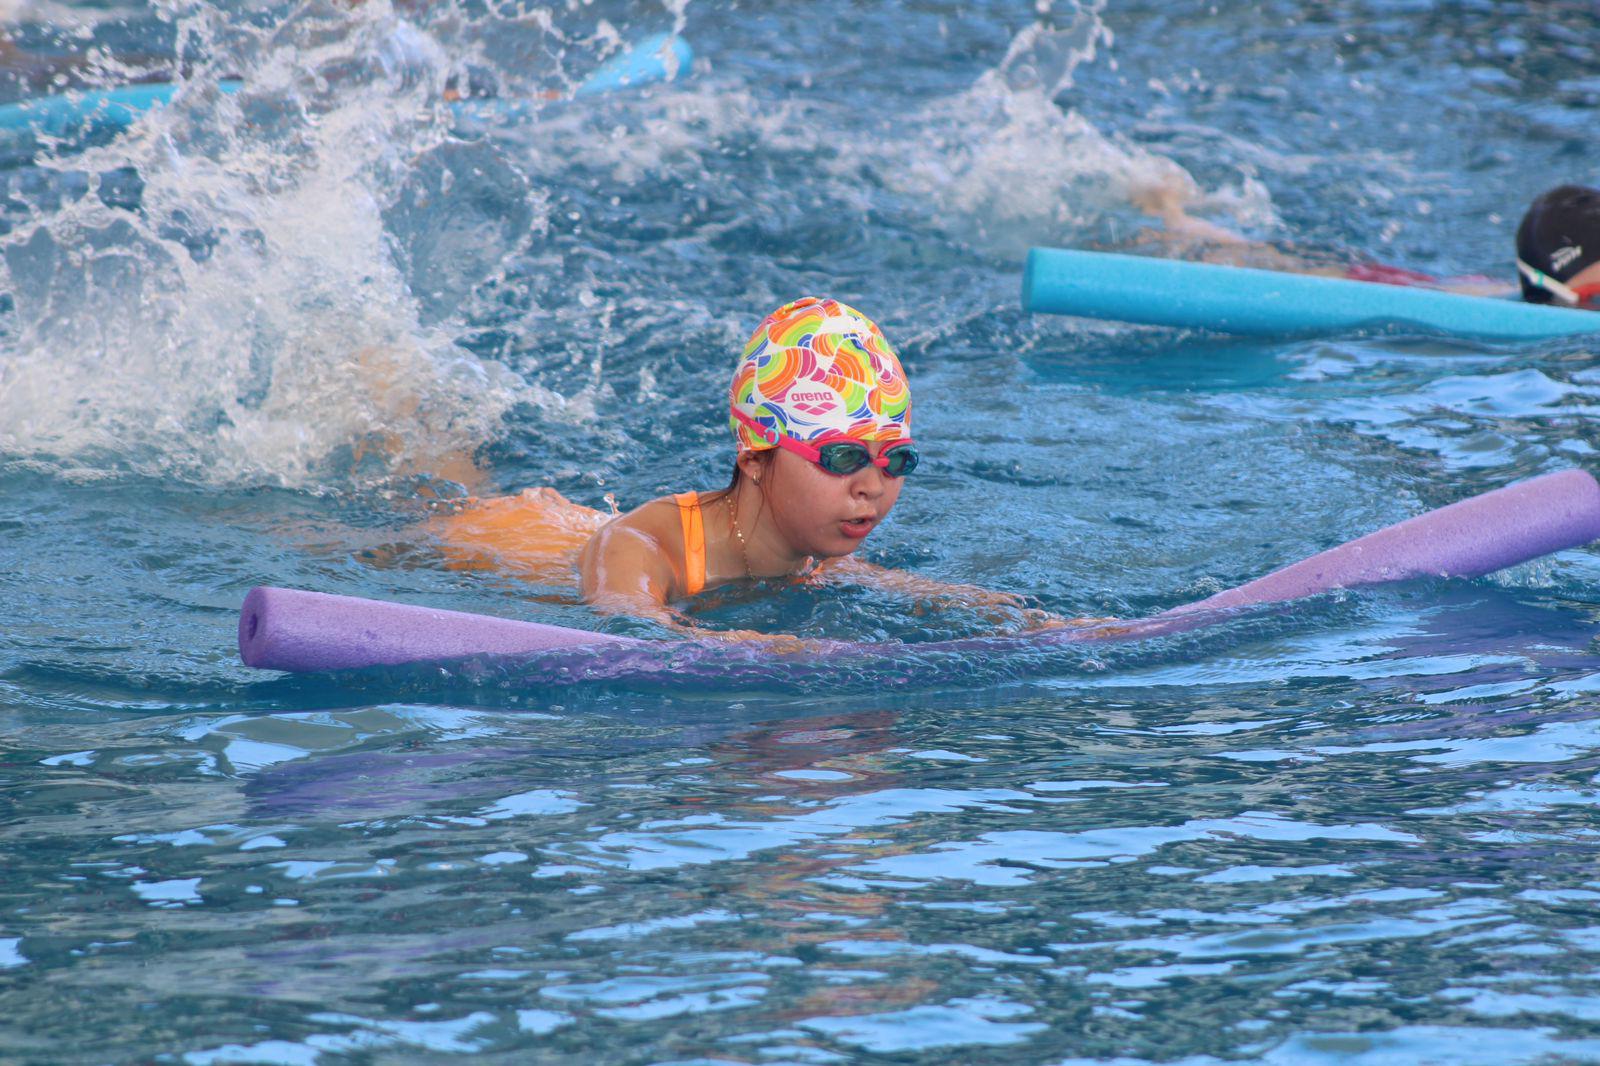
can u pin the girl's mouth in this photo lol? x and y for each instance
(857, 527)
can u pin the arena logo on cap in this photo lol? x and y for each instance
(1562, 256)
(813, 403)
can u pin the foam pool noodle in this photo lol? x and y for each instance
(1227, 299)
(286, 629)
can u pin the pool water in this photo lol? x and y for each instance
(1356, 829)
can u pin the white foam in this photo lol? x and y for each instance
(1003, 165)
(250, 323)
(1023, 169)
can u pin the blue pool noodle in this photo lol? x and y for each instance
(91, 110)
(661, 57)
(1173, 292)
(286, 629)
(658, 58)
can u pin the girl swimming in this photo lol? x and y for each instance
(820, 411)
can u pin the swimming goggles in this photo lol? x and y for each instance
(840, 457)
(1582, 296)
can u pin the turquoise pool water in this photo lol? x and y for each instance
(1361, 829)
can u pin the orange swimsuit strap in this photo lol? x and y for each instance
(694, 542)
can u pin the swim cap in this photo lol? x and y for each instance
(1559, 236)
(818, 369)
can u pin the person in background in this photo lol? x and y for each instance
(1558, 248)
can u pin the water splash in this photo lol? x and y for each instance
(1044, 55)
(243, 293)
(1021, 168)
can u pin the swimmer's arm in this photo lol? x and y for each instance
(1007, 609)
(1188, 237)
(915, 586)
(1477, 286)
(624, 571)
(1166, 200)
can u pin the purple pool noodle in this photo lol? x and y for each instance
(1468, 539)
(283, 629)
(286, 629)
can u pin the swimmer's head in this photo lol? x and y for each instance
(821, 413)
(817, 370)
(1559, 239)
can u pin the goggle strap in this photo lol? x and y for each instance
(776, 439)
(1540, 280)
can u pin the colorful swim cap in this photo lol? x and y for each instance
(819, 369)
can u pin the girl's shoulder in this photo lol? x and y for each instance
(655, 527)
(645, 552)
(653, 516)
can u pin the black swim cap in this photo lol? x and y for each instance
(1559, 236)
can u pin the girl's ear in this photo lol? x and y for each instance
(753, 464)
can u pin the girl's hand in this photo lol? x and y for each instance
(781, 643)
(1035, 620)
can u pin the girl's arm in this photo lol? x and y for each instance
(624, 570)
(1007, 609)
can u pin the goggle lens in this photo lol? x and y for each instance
(902, 460)
(846, 457)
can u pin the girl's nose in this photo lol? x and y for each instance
(869, 482)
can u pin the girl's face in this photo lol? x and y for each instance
(825, 514)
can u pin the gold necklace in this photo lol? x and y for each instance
(733, 520)
(744, 549)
